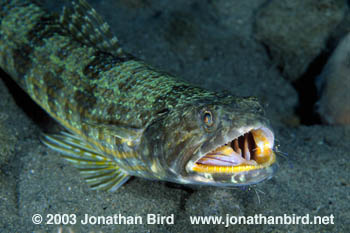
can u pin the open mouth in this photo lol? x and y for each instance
(250, 151)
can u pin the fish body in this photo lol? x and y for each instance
(124, 118)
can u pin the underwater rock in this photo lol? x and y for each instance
(236, 16)
(295, 32)
(334, 84)
(339, 32)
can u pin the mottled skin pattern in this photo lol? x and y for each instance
(94, 94)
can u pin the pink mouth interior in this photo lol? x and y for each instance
(241, 150)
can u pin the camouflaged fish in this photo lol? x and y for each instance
(123, 117)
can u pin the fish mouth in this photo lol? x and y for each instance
(250, 150)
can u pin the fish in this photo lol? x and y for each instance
(121, 116)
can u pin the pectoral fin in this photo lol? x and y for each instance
(98, 170)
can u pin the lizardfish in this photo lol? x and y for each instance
(123, 117)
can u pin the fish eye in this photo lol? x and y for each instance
(208, 118)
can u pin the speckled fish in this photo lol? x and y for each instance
(123, 117)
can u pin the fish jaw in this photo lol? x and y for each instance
(245, 157)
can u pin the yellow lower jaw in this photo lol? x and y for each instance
(202, 168)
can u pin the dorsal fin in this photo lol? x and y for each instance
(88, 27)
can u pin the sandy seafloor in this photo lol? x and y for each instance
(211, 44)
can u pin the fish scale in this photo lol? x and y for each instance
(146, 122)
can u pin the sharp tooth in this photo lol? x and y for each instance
(246, 149)
(236, 146)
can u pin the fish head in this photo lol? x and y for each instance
(220, 142)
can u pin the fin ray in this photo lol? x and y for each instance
(112, 184)
(88, 27)
(65, 147)
(98, 170)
